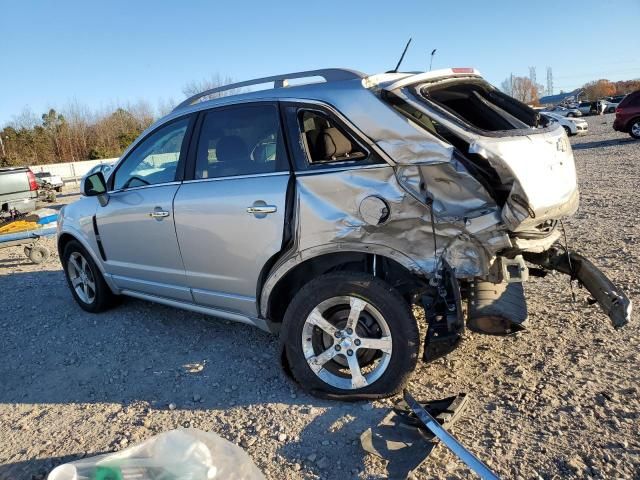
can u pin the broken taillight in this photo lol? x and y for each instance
(33, 185)
(462, 70)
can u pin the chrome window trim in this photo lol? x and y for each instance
(234, 177)
(341, 168)
(141, 187)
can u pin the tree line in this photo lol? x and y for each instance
(77, 133)
(523, 89)
(73, 134)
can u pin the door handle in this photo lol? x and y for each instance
(159, 214)
(262, 209)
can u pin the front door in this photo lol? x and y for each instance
(137, 227)
(230, 214)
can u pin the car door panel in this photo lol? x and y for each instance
(136, 225)
(142, 251)
(224, 247)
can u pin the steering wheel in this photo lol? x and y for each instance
(141, 180)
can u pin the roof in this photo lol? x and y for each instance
(555, 99)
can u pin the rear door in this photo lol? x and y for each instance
(230, 212)
(136, 227)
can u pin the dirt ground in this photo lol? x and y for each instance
(560, 400)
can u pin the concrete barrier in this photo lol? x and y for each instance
(70, 171)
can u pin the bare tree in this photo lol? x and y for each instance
(214, 81)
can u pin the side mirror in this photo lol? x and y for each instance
(95, 186)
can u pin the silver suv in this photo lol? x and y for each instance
(324, 211)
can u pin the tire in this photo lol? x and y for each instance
(571, 115)
(75, 259)
(328, 300)
(37, 253)
(568, 130)
(634, 128)
(58, 189)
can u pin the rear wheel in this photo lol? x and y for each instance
(634, 129)
(351, 336)
(85, 280)
(571, 114)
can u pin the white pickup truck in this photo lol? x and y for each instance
(18, 190)
(54, 180)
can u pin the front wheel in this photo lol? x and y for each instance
(85, 281)
(350, 335)
(568, 130)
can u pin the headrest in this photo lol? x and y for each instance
(328, 144)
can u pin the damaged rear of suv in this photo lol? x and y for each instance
(323, 212)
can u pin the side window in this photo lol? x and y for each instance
(240, 140)
(325, 141)
(155, 159)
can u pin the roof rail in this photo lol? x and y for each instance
(279, 81)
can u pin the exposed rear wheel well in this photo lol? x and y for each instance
(387, 269)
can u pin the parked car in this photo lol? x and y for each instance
(613, 102)
(105, 168)
(587, 108)
(564, 111)
(55, 181)
(573, 126)
(18, 191)
(628, 115)
(323, 211)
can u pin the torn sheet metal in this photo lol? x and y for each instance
(611, 298)
(402, 441)
(473, 462)
(538, 167)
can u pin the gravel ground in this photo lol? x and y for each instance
(557, 401)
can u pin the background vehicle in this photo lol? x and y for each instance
(55, 181)
(573, 126)
(565, 112)
(587, 108)
(613, 102)
(628, 115)
(323, 211)
(18, 190)
(105, 168)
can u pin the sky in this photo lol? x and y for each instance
(99, 54)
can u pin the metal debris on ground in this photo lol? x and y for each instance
(434, 426)
(403, 440)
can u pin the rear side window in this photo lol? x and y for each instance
(325, 141)
(240, 140)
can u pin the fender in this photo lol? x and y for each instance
(295, 258)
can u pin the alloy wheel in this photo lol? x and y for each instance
(347, 342)
(81, 277)
(635, 129)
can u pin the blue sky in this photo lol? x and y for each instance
(102, 53)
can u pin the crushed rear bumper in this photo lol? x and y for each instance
(611, 298)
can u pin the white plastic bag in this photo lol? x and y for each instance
(183, 454)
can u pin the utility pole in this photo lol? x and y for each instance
(433, 52)
(532, 75)
(549, 81)
(511, 82)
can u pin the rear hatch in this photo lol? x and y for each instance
(525, 162)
